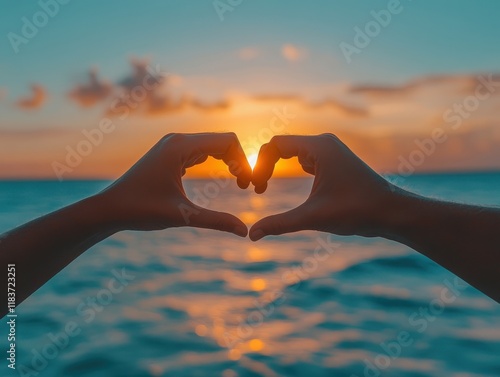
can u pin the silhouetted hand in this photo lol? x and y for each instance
(147, 197)
(150, 195)
(349, 198)
(347, 195)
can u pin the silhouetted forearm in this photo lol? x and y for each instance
(43, 247)
(462, 238)
(149, 196)
(350, 198)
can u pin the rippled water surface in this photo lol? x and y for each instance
(202, 303)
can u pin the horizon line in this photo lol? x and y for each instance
(302, 176)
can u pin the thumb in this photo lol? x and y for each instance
(204, 218)
(286, 222)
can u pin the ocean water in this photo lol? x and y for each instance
(202, 303)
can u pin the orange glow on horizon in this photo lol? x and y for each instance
(254, 120)
(215, 168)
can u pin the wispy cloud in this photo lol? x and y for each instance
(461, 83)
(381, 123)
(329, 103)
(94, 91)
(324, 104)
(35, 100)
(23, 134)
(293, 52)
(145, 91)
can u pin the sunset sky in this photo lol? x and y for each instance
(257, 68)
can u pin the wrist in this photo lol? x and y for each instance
(399, 214)
(101, 214)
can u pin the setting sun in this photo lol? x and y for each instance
(252, 160)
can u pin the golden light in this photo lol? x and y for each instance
(258, 284)
(258, 202)
(252, 160)
(256, 345)
(248, 217)
(255, 254)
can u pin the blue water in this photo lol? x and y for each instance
(191, 305)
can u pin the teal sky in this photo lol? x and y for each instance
(188, 37)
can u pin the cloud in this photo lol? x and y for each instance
(278, 97)
(475, 149)
(215, 106)
(145, 91)
(293, 53)
(383, 124)
(327, 103)
(23, 134)
(248, 53)
(141, 71)
(94, 91)
(35, 100)
(342, 107)
(156, 96)
(460, 83)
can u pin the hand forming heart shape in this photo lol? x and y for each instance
(346, 198)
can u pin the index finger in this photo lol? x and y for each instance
(225, 146)
(282, 146)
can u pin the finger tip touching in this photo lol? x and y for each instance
(256, 234)
(243, 183)
(240, 230)
(260, 188)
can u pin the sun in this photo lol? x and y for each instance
(252, 160)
